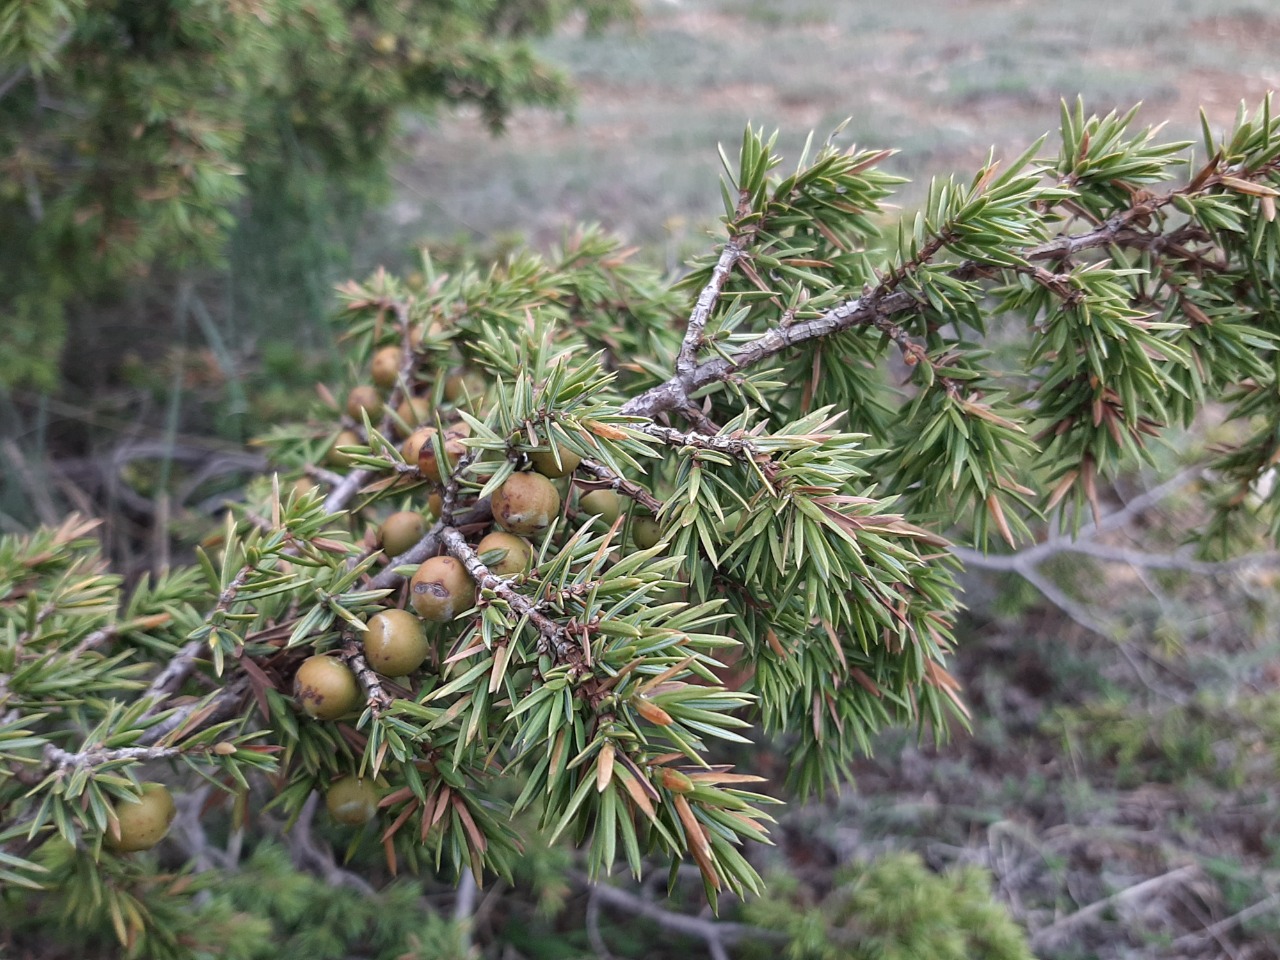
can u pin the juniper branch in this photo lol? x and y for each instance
(552, 639)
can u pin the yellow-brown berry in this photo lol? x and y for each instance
(400, 531)
(464, 389)
(385, 366)
(364, 399)
(414, 411)
(395, 643)
(545, 462)
(526, 504)
(347, 438)
(511, 554)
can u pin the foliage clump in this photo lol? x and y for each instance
(134, 136)
(891, 908)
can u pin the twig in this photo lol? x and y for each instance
(168, 680)
(874, 307)
(308, 853)
(223, 705)
(1045, 936)
(24, 71)
(737, 444)
(628, 488)
(687, 361)
(464, 908)
(592, 919)
(552, 637)
(377, 696)
(62, 760)
(718, 932)
(1190, 940)
(428, 546)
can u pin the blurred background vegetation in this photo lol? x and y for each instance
(1117, 797)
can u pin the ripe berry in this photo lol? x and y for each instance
(414, 411)
(526, 504)
(430, 467)
(366, 399)
(326, 688)
(441, 589)
(143, 824)
(415, 443)
(351, 801)
(400, 531)
(604, 503)
(394, 643)
(385, 366)
(544, 461)
(514, 554)
(464, 389)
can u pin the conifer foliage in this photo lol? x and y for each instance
(736, 494)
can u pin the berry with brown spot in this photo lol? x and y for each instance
(428, 464)
(441, 589)
(526, 504)
(414, 444)
(326, 688)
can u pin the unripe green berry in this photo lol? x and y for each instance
(145, 823)
(544, 461)
(645, 532)
(603, 503)
(351, 801)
